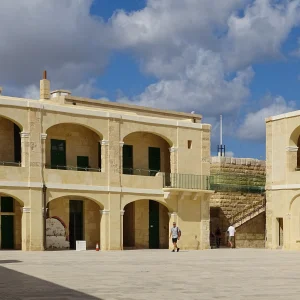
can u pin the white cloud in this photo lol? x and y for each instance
(260, 32)
(201, 86)
(60, 36)
(229, 154)
(254, 128)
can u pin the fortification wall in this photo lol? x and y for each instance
(243, 174)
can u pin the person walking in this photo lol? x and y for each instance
(218, 236)
(175, 233)
(231, 234)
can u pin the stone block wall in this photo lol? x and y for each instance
(225, 204)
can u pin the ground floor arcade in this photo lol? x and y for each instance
(114, 221)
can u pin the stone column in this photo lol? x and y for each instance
(292, 158)
(173, 218)
(173, 159)
(204, 222)
(121, 157)
(43, 144)
(104, 156)
(25, 228)
(122, 228)
(25, 148)
(104, 230)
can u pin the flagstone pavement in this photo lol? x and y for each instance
(150, 274)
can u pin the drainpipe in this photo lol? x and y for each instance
(45, 214)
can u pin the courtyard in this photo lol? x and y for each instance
(150, 274)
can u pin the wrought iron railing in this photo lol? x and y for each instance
(186, 181)
(10, 164)
(72, 168)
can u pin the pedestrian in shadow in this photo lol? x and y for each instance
(218, 236)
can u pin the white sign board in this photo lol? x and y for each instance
(80, 245)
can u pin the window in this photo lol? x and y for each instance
(189, 144)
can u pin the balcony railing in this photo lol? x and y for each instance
(186, 181)
(72, 168)
(10, 164)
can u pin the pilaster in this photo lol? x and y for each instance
(104, 229)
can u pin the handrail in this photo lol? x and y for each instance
(247, 212)
(72, 168)
(10, 164)
(140, 172)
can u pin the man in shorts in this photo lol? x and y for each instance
(231, 233)
(175, 234)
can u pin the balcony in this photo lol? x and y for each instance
(186, 181)
(10, 164)
(72, 168)
(12, 171)
(75, 175)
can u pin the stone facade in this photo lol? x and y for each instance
(97, 130)
(226, 204)
(282, 182)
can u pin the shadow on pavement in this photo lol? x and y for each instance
(19, 286)
(9, 261)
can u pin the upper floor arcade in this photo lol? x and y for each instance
(63, 139)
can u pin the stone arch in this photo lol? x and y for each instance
(10, 131)
(79, 216)
(73, 145)
(294, 142)
(5, 194)
(11, 221)
(294, 212)
(146, 153)
(21, 127)
(146, 225)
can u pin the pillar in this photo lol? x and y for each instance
(43, 144)
(25, 228)
(104, 156)
(121, 157)
(122, 228)
(292, 158)
(104, 229)
(173, 160)
(25, 148)
(204, 222)
(173, 218)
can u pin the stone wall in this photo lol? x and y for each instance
(225, 204)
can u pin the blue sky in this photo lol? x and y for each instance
(238, 58)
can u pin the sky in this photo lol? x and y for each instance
(238, 58)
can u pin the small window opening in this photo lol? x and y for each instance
(189, 144)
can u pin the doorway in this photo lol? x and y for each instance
(7, 223)
(153, 224)
(280, 232)
(75, 222)
(154, 160)
(58, 154)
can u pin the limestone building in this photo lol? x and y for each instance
(118, 175)
(239, 199)
(283, 177)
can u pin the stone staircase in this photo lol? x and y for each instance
(247, 214)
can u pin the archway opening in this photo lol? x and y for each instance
(145, 225)
(11, 223)
(71, 219)
(73, 147)
(10, 154)
(145, 154)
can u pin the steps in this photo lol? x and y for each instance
(247, 214)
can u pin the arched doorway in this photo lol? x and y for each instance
(70, 219)
(145, 153)
(73, 146)
(10, 155)
(11, 223)
(145, 225)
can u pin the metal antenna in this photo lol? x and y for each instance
(221, 148)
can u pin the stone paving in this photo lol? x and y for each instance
(150, 274)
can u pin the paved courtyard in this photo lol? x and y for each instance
(146, 274)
